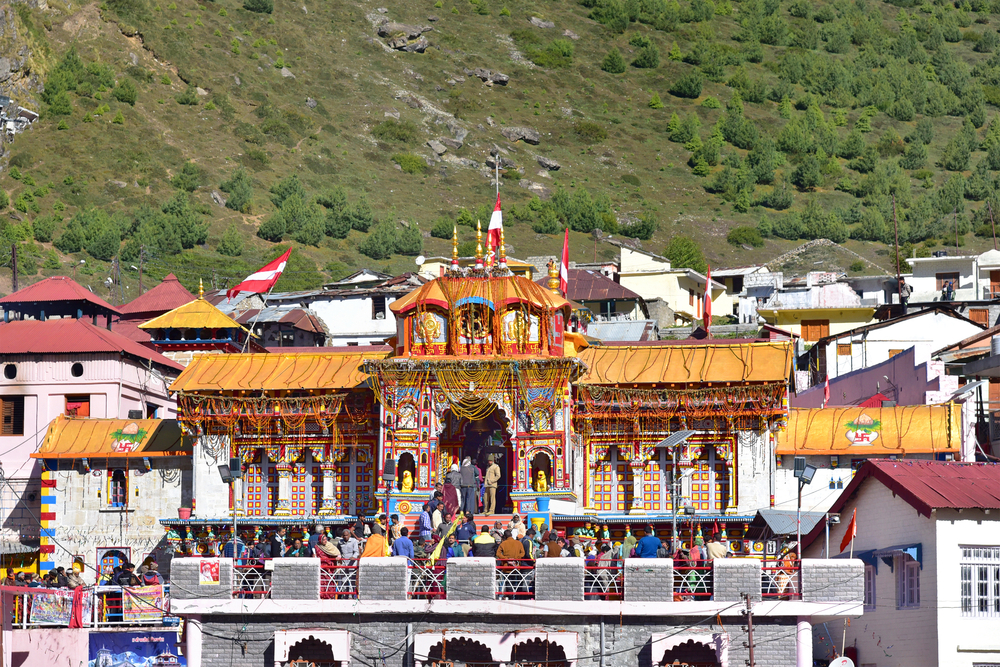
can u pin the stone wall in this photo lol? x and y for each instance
(472, 579)
(833, 580)
(185, 579)
(559, 579)
(295, 579)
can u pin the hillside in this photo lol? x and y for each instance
(791, 120)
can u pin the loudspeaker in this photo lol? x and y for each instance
(235, 468)
(389, 470)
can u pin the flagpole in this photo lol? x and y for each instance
(843, 641)
(246, 343)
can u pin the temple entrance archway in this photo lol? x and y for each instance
(539, 653)
(691, 650)
(479, 440)
(460, 652)
(312, 651)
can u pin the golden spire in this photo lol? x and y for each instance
(553, 283)
(201, 289)
(502, 252)
(454, 247)
(489, 250)
(479, 245)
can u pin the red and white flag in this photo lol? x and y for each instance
(564, 267)
(494, 231)
(707, 320)
(826, 391)
(262, 280)
(852, 531)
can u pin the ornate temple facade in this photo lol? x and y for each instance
(482, 367)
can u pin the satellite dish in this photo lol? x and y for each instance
(842, 662)
(420, 260)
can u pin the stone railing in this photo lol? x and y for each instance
(550, 579)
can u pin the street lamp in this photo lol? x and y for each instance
(229, 474)
(805, 473)
(673, 441)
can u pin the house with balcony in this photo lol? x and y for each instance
(969, 283)
(814, 307)
(928, 533)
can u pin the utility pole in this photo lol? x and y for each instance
(895, 226)
(749, 612)
(142, 256)
(13, 266)
(992, 224)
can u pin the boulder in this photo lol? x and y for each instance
(4, 69)
(539, 23)
(394, 29)
(201, 91)
(488, 76)
(549, 163)
(520, 132)
(133, 58)
(437, 146)
(402, 43)
(505, 163)
(572, 35)
(311, 103)
(459, 161)
(535, 188)
(453, 144)
(287, 73)
(218, 199)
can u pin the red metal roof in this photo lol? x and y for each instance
(130, 329)
(71, 336)
(163, 298)
(56, 288)
(587, 285)
(874, 401)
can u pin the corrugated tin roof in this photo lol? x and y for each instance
(72, 438)
(782, 522)
(57, 288)
(857, 431)
(198, 314)
(623, 330)
(68, 336)
(707, 362)
(274, 371)
(300, 318)
(587, 285)
(166, 296)
(926, 486)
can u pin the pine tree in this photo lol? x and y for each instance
(613, 62)
(675, 53)
(231, 244)
(654, 102)
(785, 107)
(674, 123)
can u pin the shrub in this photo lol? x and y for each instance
(711, 103)
(688, 86)
(272, 229)
(4, 200)
(119, 119)
(632, 180)
(589, 132)
(231, 244)
(44, 227)
(126, 92)
(613, 63)
(409, 240)
(63, 125)
(647, 58)
(190, 177)
(259, 6)
(404, 132)
(410, 163)
(189, 97)
(655, 102)
(745, 235)
(380, 243)
(442, 229)
(857, 266)
(240, 191)
(60, 104)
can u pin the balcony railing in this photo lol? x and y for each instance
(603, 580)
(692, 583)
(103, 606)
(252, 578)
(338, 580)
(516, 580)
(782, 582)
(426, 580)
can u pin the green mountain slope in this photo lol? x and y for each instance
(784, 121)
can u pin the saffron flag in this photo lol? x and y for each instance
(826, 391)
(494, 231)
(852, 531)
(263, 280)
(707, 321)
(564, 267)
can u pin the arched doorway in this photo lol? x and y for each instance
(460, 652)
(690, 654)
(539, 653)
(313, 652)
(480, 440)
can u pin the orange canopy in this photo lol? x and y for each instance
(274, 371)
(907, 429)
(687, 364)
(77, 438)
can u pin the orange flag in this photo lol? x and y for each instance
(852, 531)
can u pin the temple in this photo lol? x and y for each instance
(482, 366)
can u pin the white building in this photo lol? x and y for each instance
(924, 330)
(973, 277)
(749, 286)
(929, 534)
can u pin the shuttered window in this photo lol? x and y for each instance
(12, 415)
(813, 330)
(980, 316)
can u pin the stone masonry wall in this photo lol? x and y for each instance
(649, 579)
(185, 579)
(383, 579)
(472, 579)
(295, 579)
(559, 579)
(833, 580)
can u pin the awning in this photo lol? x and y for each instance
(274, 372)
(914, 551)
(687, 364)
(872, 432)
(72, 438)
(8, 548)
(783, 522)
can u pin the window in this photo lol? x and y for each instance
(352, 343)
(12, 415)
(151, 410)
(980, 568)
(907, 582)
(78, 406)
(690, 298)
(10, 371)
(980, 316)
(869, 587)
(76, 370)
(843, 349)
(942, 279)
(378, 307)
(813, 330)
(118, 488)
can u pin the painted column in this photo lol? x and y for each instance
(638, 487)
(328, 500)
(47, 533)
(238, 507)
(284, 507)
(803, 642)
(192, 641)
